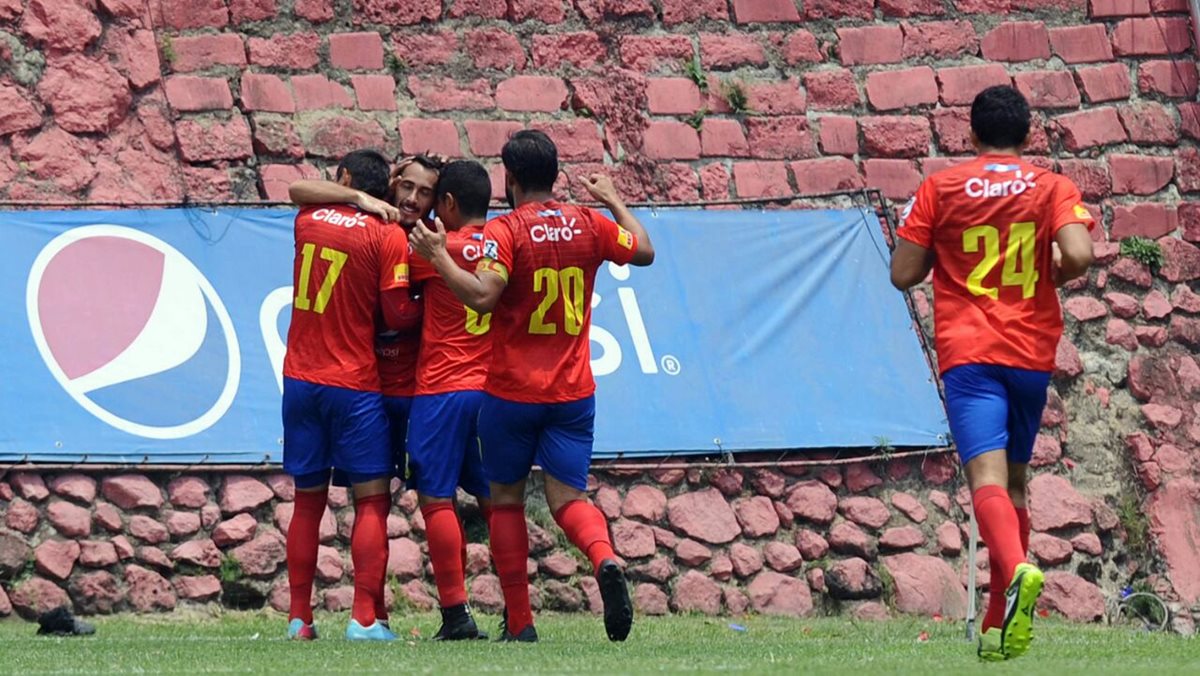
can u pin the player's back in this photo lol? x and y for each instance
(993, 223)
(336, 280)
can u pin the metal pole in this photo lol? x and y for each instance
(972, 596)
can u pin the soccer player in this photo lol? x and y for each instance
(456, 348)
(999, 234)
(348, 267)
(537, 273)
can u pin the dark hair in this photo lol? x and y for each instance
(1000, 117)
(369, 172)
(532, 159)
(430, 162)
(468, 181)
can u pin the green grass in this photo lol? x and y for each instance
(252, 642)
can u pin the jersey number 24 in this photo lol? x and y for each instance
(1020, 266)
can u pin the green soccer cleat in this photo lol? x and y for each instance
(1019, 601)
(990, 646)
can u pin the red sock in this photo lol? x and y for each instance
(443, 532)
(303, 537)
(995, 608)
(369, 551)
(510, 552)
(999, 529)
(587, 528)
(1023, 524)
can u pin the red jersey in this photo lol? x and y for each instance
(549, 253)
(397, 354)
(990, 223)
(456, 346)
(344, 259)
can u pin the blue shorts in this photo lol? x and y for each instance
(443, 446)
(328, 427)
(558, 437)
(995, 407)
(397, 410)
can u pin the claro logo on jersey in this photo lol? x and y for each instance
(133, 331)
(548, 232)
(980, 188)
(334, 217)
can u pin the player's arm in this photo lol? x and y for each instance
(1072, 252)
(478, 291)
(602, 189)
(911, 263)
(309, 192)
(914, 258)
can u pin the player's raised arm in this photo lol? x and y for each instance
(309, 192)
(479, 291)
(602, 189)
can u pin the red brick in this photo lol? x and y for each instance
(374, 92)
(832, 89)
(800, 46)
(1146, 219)
(896, 89)
(1048, 88)
(673, 96)
(826, 175)
(1152, 37)
(486, 137)
(437, 94)
(653, 53)
(1173, 79)
(597, 10)
(761, 179)
(316, 92)
(206, 51)
(1106, 83)
(684, 11)
(939, 39)
(870, 45)
(1081, 44)
(266, 93)
(356, 51)
(582, 49)
(244, 11)
(670, 140)
(896, 136)
(487, 9)
(495, 48)
(299, 51)
(546, 11)
(953, 129)
(1038, 142)
(1115, 8)
(315, 11)
(1149, 123)
(276, 178)
(532, 93)
(723, 138)
(714, 181)
(839, 135)
(780, 138)
(1017, 41)
(425, 48)
(429, 136)
(836, 9)
(994, 7)
(190, 94)
(393, 13)
(1140, 174)
(723, 52)
(578, 140)
(276, 136)
(1187, 169)
(897, 179)
(932, 165)
(1090, 176)
(1189, 219)
(185, 14)
(1091, 128)
(1189, 117)
(777, 98)
(765, 11)
(910, 8)
(1169, 6)
(961, 85)
(214, 140)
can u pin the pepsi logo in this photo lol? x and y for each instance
(133, 331)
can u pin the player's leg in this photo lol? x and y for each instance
(565, 453)
(397, 410)
(306, 457)
(508, 437)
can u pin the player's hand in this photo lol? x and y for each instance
(428, 243)
(602, 189)
(1055, 263)
(374, 205)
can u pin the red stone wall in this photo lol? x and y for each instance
(231, 99)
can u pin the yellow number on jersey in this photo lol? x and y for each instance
(1020, 260)
(550, 281)
(337, 261)
(478, 324)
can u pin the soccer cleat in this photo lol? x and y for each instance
(298, 630)
(614, 591)
(458, 625)
(375, 632)
(1019, 601)
(527, 635)
(989, 646)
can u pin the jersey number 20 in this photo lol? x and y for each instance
(569, 283)
(1020, 267)
(337, 261)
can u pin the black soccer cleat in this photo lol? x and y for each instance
(614, 591)
(60, 622)
(458, 625)
(527, 635)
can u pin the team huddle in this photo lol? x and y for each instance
(454, 353)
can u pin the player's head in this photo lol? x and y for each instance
(1000, 119)
(530, 164)
(415, 188)
(463, 193)
(365, 170)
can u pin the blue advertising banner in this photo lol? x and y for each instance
(158, 336)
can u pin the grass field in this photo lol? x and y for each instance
(252, 643)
